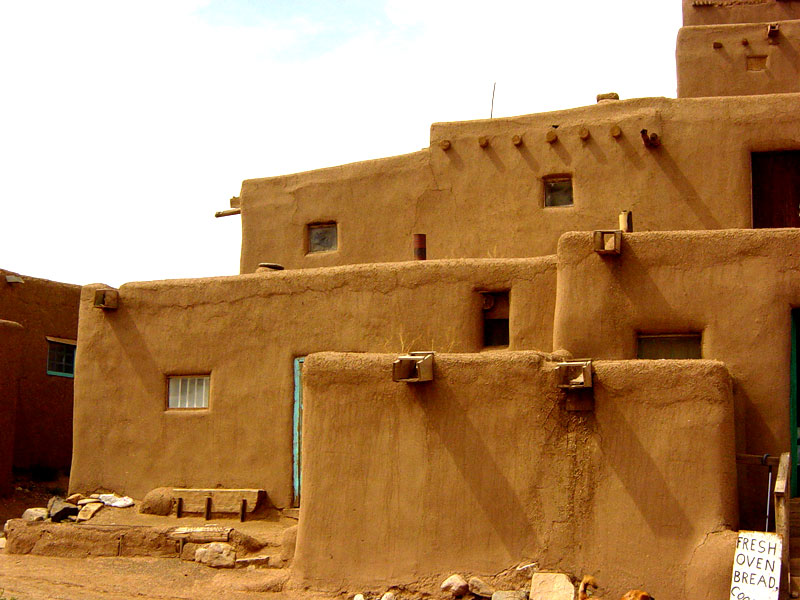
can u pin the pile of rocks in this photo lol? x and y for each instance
(544, 586)
(224, 548)
(75, 508)
(386, 596)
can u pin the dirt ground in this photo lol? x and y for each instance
(28, 493)
(32, 577)
(24, 577)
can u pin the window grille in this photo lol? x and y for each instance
(188, 392)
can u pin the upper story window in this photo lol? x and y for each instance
(188, 391)
(322, 237)
(670, 345)
(558, 190)
(60, 357)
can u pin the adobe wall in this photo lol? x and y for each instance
(479, 202)
(11, 334)
(736, 287)
(44, 407)
(246, 331)
(374, 202)
(484, 469)
(713, 12)
(745, 62)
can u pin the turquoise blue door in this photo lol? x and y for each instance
(297, 430)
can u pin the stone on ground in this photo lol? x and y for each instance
(510, 595)
(551, 586)
(216, 554)
(456, 585)
(253, 561)
(158, 502)
(480, 588)
(74, 498)
(35, 514)
(58, 509)
(388, 596)
(88, 511)
(189, 550)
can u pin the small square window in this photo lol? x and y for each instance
(495, 319)
(188, 392)
(670, 345)
(756, 63)
(558, 190)
(322, 237)
(60, 357)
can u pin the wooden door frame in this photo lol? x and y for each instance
(297, 429)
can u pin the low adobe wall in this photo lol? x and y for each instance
(246, 331)
(736, 287)
(483, 469)
(44, 408)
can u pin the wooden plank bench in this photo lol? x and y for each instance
(206, 501)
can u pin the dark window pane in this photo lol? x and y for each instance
(60, 358)
(558, 191)
(495, 318)
(322, 238)
(495, 332)
(681, 346)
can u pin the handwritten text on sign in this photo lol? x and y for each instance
(756, 566)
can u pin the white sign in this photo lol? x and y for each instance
(756, 566)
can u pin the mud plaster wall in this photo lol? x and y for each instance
(483, 469)
(488, 202)
(736, 287)
(246, 331)
(739, 11)
(44, 407)
(759, 67)
(11, 334)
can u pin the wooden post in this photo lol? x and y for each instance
(179, 508)
(243, 510)
(782, 493)
(207, 512)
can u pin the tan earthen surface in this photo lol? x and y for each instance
(488, 202)
(736, 68)
(736, 287)
(245, 332)
(42, 432)
(11, 338)
(484, 468)
(738, 11)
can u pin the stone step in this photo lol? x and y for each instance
(263, 561)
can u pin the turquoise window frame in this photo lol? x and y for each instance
(57, 355)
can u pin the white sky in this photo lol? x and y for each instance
(125, 125)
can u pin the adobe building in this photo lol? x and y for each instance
(282, 380)
(38, 333)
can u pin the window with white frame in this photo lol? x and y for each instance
(188, 392)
